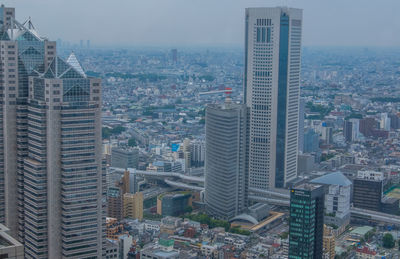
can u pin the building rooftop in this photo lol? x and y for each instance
(6, 240)
(307, 187)
(361, 231)
(336, 178)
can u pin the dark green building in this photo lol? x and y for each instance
(174, 204)
(306, 226)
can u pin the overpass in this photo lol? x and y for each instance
(193, 179)
(167, 176)
(375, 216)
(269, 200)
(183, 185)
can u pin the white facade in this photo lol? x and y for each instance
(272, 81)
(355, 129)
(337, 200)
(385, 122)
(370, 175)
(125, 243)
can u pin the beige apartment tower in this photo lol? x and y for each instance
(133, 205)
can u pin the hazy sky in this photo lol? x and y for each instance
(207, 22)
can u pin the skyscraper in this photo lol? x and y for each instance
(64, 161)
(306, 227)
(51, 166)
(272, 91)
(225, 163)
(24, 53)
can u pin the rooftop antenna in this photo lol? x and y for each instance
(228, 92)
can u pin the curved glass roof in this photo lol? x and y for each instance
(335, 178)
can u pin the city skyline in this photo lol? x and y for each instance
(277, 151)
(181, 23)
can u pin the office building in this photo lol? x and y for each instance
(173, 204)
(306, 227)
(197, 153)
(367, 126)
(26, 53)
(114, 203)
(51, 169)
(311, 141)
(306, 164)
(337, 199)
(327, 135)
(367, 190)
(394, 121)
(351, 130)
(64, 136)
(124, 157)
(385, 122)
(133, 205)
(272, 92)
(225, 163)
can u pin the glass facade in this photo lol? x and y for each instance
(282, 101)
(306, 222)
(174, 205)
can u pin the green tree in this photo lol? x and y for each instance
(388, 241)
(284, 235)
(188, 209)
(106, 132)
(132, 142)
(118, 130)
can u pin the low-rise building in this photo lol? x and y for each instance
(208, 250)
(365, 253)
(163, 250)
(124, 157)
(150, 225)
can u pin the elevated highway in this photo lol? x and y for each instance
(274, 197)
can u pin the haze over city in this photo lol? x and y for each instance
(208, 22)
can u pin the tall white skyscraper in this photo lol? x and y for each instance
(272, 92)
